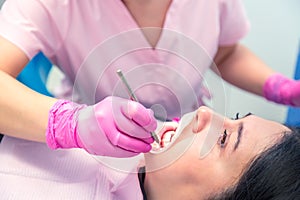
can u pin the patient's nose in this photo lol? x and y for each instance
(202, 119)
(207, 118)
(213, 123)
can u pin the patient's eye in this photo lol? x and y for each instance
(222, 139)
(237, 116)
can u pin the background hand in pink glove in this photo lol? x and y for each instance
(282, 90)
(113, 127)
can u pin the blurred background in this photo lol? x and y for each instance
(275, 38)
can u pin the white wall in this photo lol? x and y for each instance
(1, 2)
(275, 38)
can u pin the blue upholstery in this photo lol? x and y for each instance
(293, 115)
(34, 75)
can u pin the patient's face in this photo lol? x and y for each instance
(222, 167)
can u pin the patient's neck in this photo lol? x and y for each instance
(160, 186)
(156, 188)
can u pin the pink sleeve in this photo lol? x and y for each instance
(234, 23)
(28, 25)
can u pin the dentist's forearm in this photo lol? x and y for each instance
(24, 112)
(240, 67)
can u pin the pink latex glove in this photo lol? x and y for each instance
(114, 127)
(282, 90)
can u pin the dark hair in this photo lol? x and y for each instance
(273, 175)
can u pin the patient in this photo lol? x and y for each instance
(252, 159)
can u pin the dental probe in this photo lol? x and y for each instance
(133, 98)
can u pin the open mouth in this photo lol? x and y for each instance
(169, 132)
(167, 136)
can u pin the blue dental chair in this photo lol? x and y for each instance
(293, 115)
(35, 74)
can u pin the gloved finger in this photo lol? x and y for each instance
(97, 147)
(148, 140)
(129, 143)
(102, 145)
(131, 128)
(139, 114)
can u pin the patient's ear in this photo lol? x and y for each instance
(202, 118)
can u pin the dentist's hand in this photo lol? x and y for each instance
(114, 127)
(282, 90)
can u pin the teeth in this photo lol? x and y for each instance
(167, 129)
(165, 142)
(155, 147)
(167, 138)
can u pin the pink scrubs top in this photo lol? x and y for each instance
(89, 41)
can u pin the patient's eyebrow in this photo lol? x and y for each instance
(239, 135)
